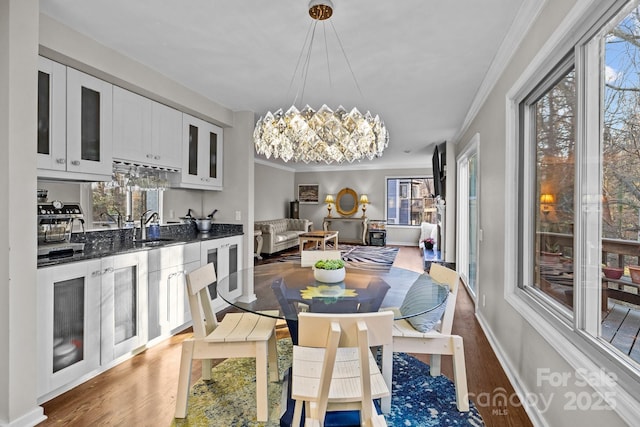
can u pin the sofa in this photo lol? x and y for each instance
(281, 234)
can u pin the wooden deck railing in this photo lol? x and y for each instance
(625, 252)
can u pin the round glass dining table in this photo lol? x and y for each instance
(283, 289)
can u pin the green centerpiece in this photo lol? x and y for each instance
(329, 270)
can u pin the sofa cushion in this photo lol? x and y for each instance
(287, 235)
(419, 296)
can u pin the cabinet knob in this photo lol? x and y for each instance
(95, 273)
(61, 161)
(149, 156)
(108, 270)
(156, 157)
(75, 162)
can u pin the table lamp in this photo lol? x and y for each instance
(363, 201)
(545, 201)
(329, 200)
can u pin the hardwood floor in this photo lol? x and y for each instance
(142, 390)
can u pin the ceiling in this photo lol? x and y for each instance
(419, 64)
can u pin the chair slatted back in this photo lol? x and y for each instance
(314, 328)
(346, 330)
(204, 318)
(332, 342)
(450, 278)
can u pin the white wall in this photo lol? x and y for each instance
(516, 342)
(274, 189)
(18, 95)
(369, 182)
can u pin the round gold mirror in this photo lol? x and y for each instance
(347, 202)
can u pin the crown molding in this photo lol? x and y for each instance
(523, 21)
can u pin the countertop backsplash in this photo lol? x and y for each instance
(110, 242)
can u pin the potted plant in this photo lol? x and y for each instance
(329, 270)
(552, 253)
(428, 243)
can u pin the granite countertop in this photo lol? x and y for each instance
(100, 244)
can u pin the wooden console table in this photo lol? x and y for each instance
(328, 219)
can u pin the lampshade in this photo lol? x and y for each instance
(364, 199)
(546, 199)
(328, 199)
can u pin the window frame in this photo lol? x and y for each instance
(574, 339)
(386, 197)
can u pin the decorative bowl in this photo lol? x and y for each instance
(612, 272)
(329, 276)
(634, 272)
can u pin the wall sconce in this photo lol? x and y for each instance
(363, 201)
(545, 201)
(329, 200)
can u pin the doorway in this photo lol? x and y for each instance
(468, 215)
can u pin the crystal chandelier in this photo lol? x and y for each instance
(323, 135)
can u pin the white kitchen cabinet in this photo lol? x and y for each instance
(146, 132)
(202, 155)
(123, 305)
(52, 115)
(89, 314)
(88, 140)
(226, 256)
(168, 302)
(68, 333)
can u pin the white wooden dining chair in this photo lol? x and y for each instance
(437, 341)
(237, 335)
(333, 368)
(309, 258)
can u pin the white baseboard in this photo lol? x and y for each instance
(33, 418)
(401, 243)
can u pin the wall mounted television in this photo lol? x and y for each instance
(438, 164)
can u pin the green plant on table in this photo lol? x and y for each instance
(329, 264)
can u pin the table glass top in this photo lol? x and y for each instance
(286, 288)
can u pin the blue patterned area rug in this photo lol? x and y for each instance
(229, 399)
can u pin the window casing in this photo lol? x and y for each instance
(131, 193)
(574, 327)
(410, 201)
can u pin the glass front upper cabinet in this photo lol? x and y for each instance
(51, 144)
(202, 156)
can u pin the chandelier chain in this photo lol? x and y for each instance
(324, 135)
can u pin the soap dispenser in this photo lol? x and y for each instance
(154, 228)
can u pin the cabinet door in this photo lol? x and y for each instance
(89, 124)
(68, 335)
(226, 256)
(52, 126)
(202, 154)
(124, 295)
(131, 126)
(166, 135)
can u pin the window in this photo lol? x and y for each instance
(550, 113)
(577, 184)
(131, 193)
(410, 201)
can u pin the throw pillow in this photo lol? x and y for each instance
(422, 295)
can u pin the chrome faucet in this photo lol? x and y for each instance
(118, 221)
(143, 222)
